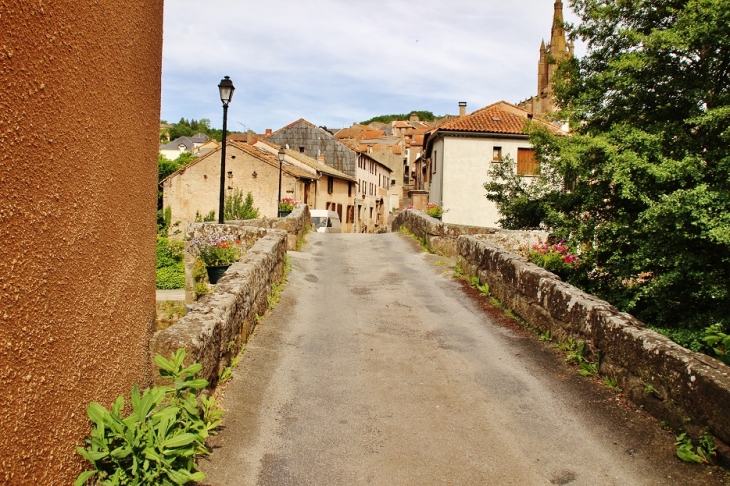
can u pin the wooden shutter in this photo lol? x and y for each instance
(526, 163)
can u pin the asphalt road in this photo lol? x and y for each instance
(375, 368)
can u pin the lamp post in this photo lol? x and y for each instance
(226, 89)
(280, 155)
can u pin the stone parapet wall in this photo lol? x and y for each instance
(690, 391)
(296, 224)
(442, 237)
(213, 331)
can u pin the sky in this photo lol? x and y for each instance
(337, 62)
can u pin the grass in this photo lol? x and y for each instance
(421, 241)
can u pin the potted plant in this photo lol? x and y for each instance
(217, 252)
(286, 206)
(434, 210)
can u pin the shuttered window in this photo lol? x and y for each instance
(526, 163)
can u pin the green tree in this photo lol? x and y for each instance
(236, 208)
(643, 182)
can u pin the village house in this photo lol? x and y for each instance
(459, 153)
(316, 142)
(173, 149)
(373, 203)
(193, 191)
(331, 189)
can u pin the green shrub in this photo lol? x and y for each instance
(157, 443)
(172, 277)
(236, 208)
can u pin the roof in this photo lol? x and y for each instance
(402, 124)
(260, 154)
(311, 162)
(500, 117)
(175, 144)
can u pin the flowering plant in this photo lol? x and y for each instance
(434, 210)
(216, 250)
(287, 204)
(556, 257)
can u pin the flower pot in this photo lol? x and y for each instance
(284, 214)
(215, 272)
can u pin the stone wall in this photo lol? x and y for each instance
(296, 224)
(213, 331)
(690, 391)
(442, 238)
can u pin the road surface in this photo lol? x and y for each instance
(376, 368)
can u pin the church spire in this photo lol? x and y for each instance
(557, 37)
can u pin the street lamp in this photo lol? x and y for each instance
(280, 155)
(226, 91)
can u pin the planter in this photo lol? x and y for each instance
(284, 214)
(215, 272)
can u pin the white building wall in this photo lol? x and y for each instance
(462, 171)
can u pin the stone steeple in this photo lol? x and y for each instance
(550, 55)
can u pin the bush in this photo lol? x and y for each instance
(236, 208)
(170, 266)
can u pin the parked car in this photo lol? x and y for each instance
(325, 221)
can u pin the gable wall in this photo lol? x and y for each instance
(317, 142)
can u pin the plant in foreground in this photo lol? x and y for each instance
(156, 444)
(434, 210)
(287, 204)
(719, 342)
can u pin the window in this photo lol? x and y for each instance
(301, 150)
(496, 154)
(330, 184)
(350, 214)
(526, 163)
(433, 162)
(349, 189)
(339, 211)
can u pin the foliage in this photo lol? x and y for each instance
(210, 216)
(170, 267)
(434, 210)
(287, 204)
(702, 453)
(422, 116)
(688, 338)
(158, 441)
(642, 187)
(719, 342)
(216, 250)
(191, 127)
(200, 279)
(236, 208)
(555, 257)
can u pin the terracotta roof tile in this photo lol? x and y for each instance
(495, 118)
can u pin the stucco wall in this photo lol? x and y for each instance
(466, 162)
(79, 119)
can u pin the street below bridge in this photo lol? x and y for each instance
(376, 368)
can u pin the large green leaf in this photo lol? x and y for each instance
(180, 440)
(84, 476)
(97, 413)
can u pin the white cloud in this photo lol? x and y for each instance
(335, 62)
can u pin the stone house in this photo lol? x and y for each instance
(331, 189)
(194, 190)
(373, 201)
(316, 142)
(458, 154)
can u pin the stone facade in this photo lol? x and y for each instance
(79, 120)
(690, 391)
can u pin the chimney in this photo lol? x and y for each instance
(268, 132)
(249, 136)
(462, 108)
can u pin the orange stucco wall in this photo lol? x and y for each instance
(79, 114)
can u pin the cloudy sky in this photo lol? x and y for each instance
(335, 62)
